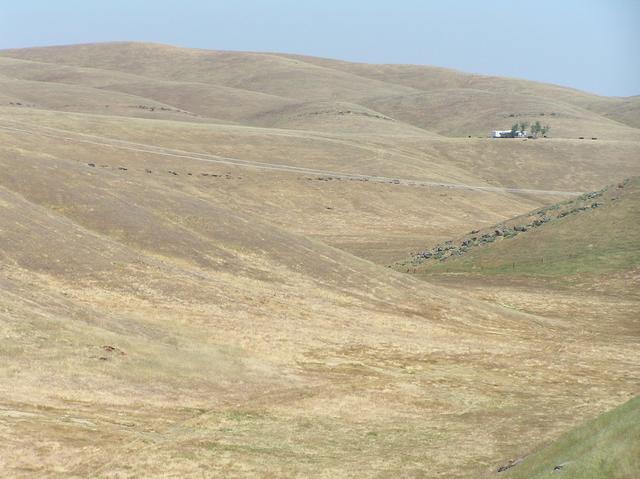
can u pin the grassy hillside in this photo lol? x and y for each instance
(608, 446)
(469, 111)
(193, 251)
(431, 79)
(573, 264)
(143, 315)
(376, 220)
(263, 72)
(596, 233)
(443, 101)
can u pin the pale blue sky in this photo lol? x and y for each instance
(592, 45)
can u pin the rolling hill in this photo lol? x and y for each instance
(604, 447)
(596, 233)
(579, 257)
(443, 101)
(193, 266)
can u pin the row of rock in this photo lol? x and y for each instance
(171, 172)
(344, 112)
(542, 216)
(341, 178)
(154, 108)
(228, 176)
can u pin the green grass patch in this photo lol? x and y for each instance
(595, 240)
(606, 448)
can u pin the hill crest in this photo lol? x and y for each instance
(414, 94)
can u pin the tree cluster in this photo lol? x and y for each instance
(537, 128)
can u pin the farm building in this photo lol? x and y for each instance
(508, 134)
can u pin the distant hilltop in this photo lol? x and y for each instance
(301, 92)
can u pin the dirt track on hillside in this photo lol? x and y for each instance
(70, 136)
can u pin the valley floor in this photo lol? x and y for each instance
(195, 280)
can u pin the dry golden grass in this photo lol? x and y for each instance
(248, 87)
(169, 314)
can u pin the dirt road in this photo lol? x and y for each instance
(71, 136)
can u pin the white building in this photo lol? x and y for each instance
(508, 134)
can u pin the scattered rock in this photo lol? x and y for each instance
(510, 464)
(92, 165)
(559, 467)
(588, 196)
(113, 350)
(540, 221)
